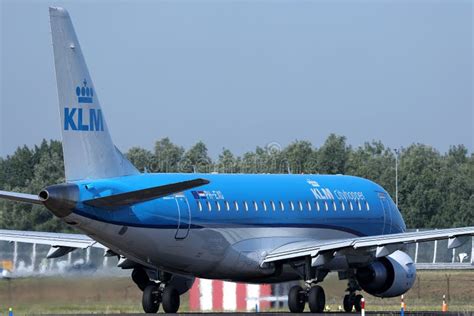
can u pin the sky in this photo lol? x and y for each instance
(241, 74)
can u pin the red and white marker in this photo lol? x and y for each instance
(362, 306)
(215, 295)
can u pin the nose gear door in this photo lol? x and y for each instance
(184, 217)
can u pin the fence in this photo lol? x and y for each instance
(20, 259)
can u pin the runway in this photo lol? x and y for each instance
(381, 313)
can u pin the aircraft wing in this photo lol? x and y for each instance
(382, 245)
(56, 240)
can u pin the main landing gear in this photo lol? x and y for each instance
(316, 299)
(314, 295)
(352, 300)
(156, 293)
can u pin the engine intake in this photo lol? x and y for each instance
(388, 276)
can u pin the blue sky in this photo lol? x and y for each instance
(238, 74)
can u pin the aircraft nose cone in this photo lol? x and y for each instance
(60, 199)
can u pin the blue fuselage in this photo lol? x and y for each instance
(345, 203)
(225, 228)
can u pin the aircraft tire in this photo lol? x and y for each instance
(316, 299)
(348, 303)
(357, 303)
(296, 299)
(170, 299)
(151, 299)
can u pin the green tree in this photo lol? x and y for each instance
(298, 154)
(142, 159)
(227, 162)
(196, 159)
(168, 156)
(333, 155)
(375, 162)
(48, 170)
(420, 196)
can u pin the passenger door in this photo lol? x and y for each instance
(184, 216)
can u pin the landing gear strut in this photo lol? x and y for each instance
(352, 300)
(313, 294)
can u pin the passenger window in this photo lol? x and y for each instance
(199, 205)
(334, 205)
(300, 205)
(236, 205)
(218, 206)
(359, 206)
(246, 206)
(264, 205)
(351, 206)
(317, 206)
(343, 207)
(282, 206)
(227, 206)
(255, 205)
(209, 207)
(367, 206)
(292, 206)
(308, 205)
(273, 205)
(326, 206)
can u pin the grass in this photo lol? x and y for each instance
(120, 295)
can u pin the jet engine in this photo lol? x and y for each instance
(388, 276)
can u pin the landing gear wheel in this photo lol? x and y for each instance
(296, 299)
(170, 300)
(357, 303)
(316, 299)
(151, 299)
(348, 303)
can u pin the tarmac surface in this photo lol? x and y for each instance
(384, 313)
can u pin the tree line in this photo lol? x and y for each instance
(434, 189)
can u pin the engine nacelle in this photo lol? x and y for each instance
(388, 276)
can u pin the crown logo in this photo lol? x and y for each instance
(84, 93)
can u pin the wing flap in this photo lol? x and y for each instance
(20, 197)
(144, 195)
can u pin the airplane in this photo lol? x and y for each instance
(252, 228)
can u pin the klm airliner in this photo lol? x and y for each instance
(170, 228)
